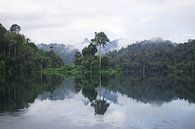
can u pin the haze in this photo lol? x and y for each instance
(71, 21)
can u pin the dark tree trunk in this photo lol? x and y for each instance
(15, 51)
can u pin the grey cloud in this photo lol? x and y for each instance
(73, 20)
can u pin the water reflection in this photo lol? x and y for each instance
(97, 101)
(100, 90)
(88, 84)
(100, 105)
(17, 92)
(155, 89)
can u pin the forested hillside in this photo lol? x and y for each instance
(155, 57)
(66, 52)
(19, 55)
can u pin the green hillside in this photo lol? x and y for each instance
(19, 55)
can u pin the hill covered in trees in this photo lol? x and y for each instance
(19, 55)
(149, 57)
(154, 57)
(66, 52)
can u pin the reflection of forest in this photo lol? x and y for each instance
(149, 90)
(18, 91)
(61, 92)
(88, 84)
(155, 89)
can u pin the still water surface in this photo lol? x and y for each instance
(98, 103)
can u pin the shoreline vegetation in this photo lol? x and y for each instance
(73, 70)
(18, 55)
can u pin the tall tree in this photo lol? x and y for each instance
(100, 40)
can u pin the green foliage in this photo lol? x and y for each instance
(91, 50)
(88, 61)
(77, 60)
(154, 58)
(2, 71)
(66, 52)
(2, 67)
(20, 55)
(100, 39)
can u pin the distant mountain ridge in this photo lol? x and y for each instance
(66, 52)
(147, 45)
(112, 45)
(155, 43)
(86, 41)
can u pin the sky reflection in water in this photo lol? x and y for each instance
(66, 108)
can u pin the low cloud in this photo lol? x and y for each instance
(72, 21)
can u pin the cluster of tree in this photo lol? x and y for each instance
(19, 55)
(66, 52)
(154, 57)
(88, 59)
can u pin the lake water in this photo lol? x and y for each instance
(124, 102)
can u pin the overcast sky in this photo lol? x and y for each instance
(70, 21)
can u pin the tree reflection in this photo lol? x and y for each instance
(100, 106)
(89, 84)
(152, 89)
(90, 93)
(155, 89)
(16, 92)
